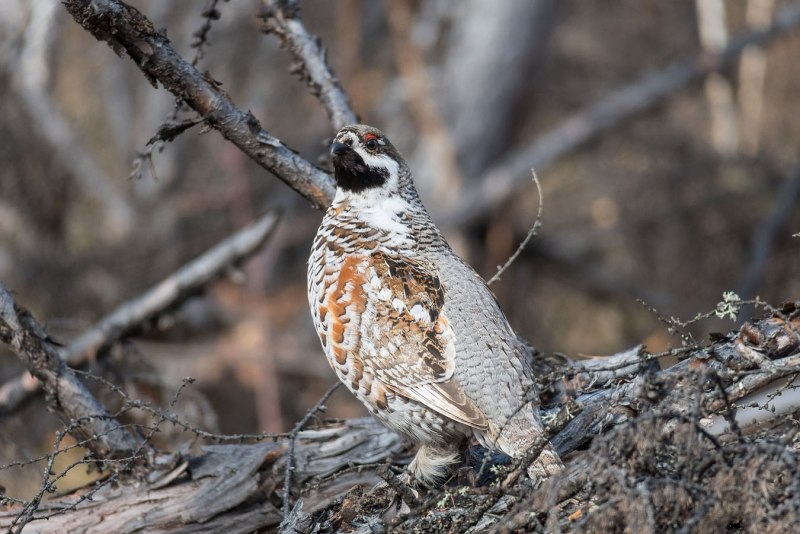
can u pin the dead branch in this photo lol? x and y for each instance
(132, 315)
(283, 19)
(287, 477)
(210, 14)
(510, 174)
(126, 30)
(67, 395)
(172, 127)
(537, 223)
(237, 488)
(229, 487)
(606, 406)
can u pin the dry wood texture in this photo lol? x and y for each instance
(610, 404)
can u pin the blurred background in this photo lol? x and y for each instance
(690, 198)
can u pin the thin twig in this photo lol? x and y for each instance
(126, 29)
(287, 476)
(120, 465)
(129, 404)
(779, 345)
(531, 233)
(210, 14)
(172, 127)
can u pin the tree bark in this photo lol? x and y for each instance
(127, 31)
(84, 415)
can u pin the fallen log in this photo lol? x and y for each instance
(608, 407)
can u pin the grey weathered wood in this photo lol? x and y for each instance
(86, 416)
(233, 488)
(227, 488)
(283, 19)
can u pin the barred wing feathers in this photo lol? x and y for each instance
(401, 335)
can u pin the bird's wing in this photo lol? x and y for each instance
(406, 339)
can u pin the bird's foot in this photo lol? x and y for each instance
(402, 485)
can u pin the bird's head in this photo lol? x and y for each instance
(364, 161)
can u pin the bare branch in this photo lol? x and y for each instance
(172, 127)
(167, 295)
(210, 14)
(537, 223)
(508, 176)
(126, 30)
(229, 486)
(282, 18)
(28, 339)
(287, 477)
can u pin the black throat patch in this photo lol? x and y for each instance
(353, 175)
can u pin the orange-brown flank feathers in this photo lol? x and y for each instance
(383, 319)
(346, 294)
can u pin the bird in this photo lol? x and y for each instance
(409, 327)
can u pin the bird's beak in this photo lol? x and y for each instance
(339, 149)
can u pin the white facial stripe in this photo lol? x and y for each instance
(372, 160)
(378, 161)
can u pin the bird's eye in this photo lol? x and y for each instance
(371, 143)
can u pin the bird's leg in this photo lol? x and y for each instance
(427, 470)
